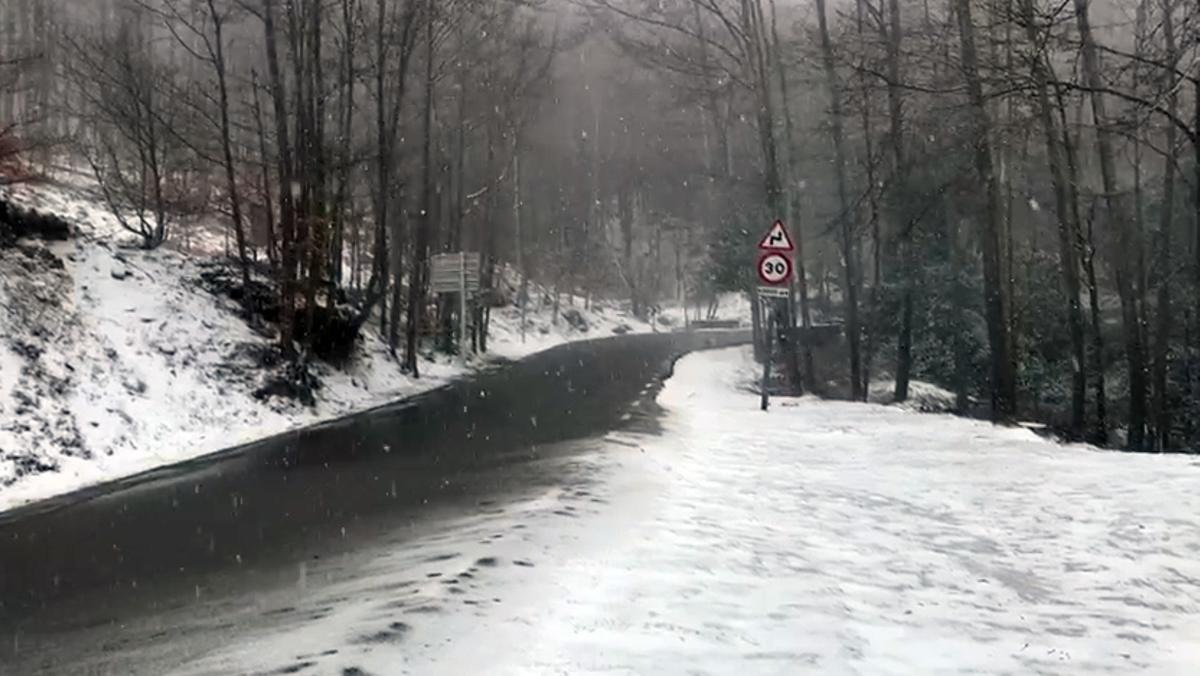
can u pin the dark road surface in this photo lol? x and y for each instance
(242, 520)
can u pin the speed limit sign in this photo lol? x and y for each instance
(774, 269)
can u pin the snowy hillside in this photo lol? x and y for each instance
(115, 360)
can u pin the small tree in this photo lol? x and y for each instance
(137, 165)
(11, 169)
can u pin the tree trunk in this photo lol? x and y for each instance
(523, 292)
(342, 193)
(1123, 250)
(1163, 263)
(1068, 235)
(396, 225)
(1086, 250)
(381, 272)
(1003, 155)
(235, 202)
(313, 172)
(868, 130)
(1100, 363)
(453, 240)
(756, 326)
(961, 302)
(625, 222)
(779, 200)
(286, 207)
(773, 190)
(420, 263)
(1003, 372)
(845, 224)
(386, 262)
(1191, 351)
(712, 105)
(906, 270)
(301, 83)
(268, 203)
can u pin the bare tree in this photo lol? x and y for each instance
(419, 273)
(1003, 380)
(208, 32)
(1068, 235)
(1122, 251)
(136, 162)
(641, 166)
(1164, 261)
(10, 142)
(845, 223)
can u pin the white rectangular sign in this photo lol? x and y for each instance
(773, 292)
(454, 272)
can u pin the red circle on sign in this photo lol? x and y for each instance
(774, 269)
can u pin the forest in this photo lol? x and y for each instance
(1001, 197)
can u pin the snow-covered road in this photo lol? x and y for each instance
(821, 537)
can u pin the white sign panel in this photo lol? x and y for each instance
(454, 273)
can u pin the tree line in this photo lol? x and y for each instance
(998, 196)
(341, 143)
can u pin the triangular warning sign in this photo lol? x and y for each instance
(777, 239)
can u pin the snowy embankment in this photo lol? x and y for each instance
(821, 537)
(114, 360)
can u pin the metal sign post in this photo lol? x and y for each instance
(768, 327)
(775, 271)
(462, 306)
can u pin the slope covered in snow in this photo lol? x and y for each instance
(821, 537)
(115, 360)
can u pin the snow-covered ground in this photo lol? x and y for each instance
(820, 537)
(922, 396)
(120, 362)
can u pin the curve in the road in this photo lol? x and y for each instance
(131, 543)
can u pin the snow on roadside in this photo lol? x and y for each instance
(11, 364)
(126, 363)
(821, 537)
(923, 397)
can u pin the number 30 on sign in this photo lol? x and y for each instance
(774, 269)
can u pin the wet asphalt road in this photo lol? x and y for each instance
(94, 562)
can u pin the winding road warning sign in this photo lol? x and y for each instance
(777, 239)
(774, 269)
